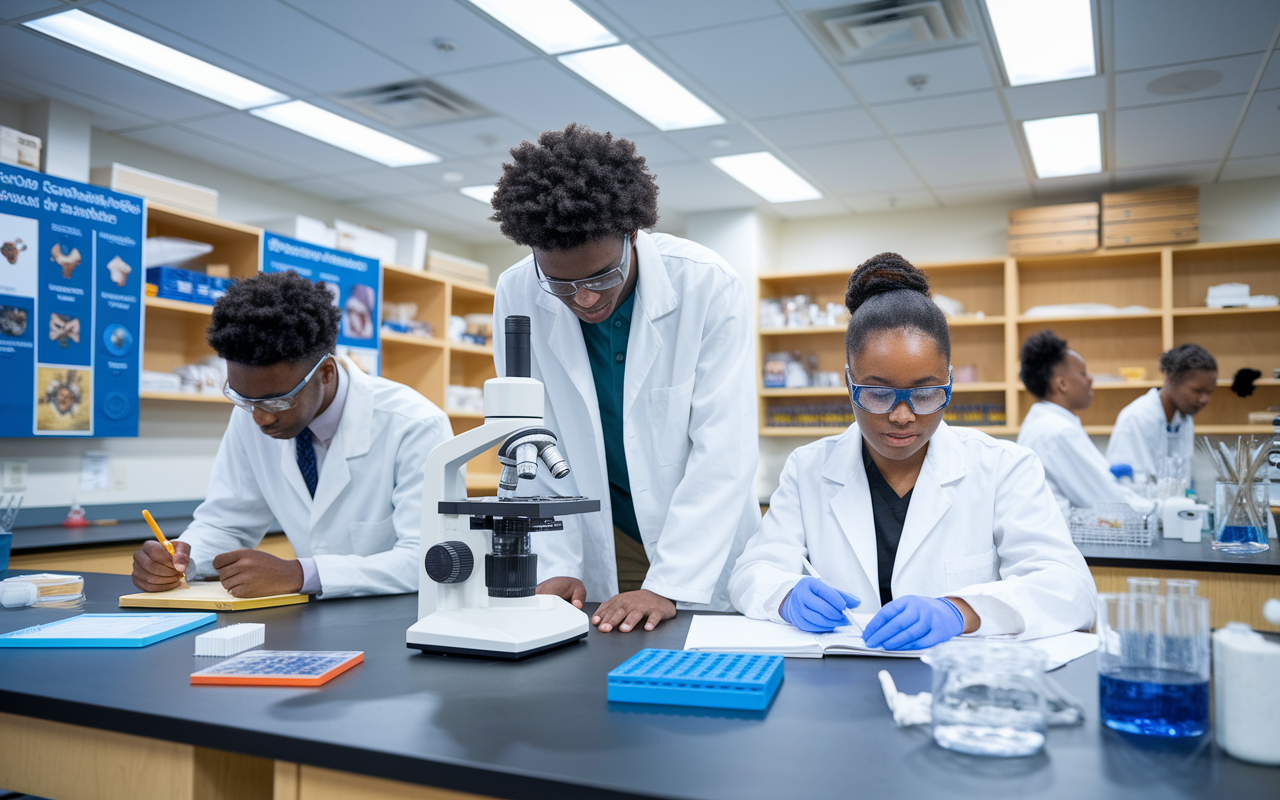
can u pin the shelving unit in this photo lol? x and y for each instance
(1171, 282)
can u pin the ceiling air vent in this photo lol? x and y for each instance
(890, 27)
(412, 103)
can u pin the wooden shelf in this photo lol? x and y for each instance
(966, 321)
(178, 305)
(810, 329)
(817, 433)
(1025, 320)
(410, 339)
(1222, 430)
(459, 413)
(808, 391)
(1099, 386)
(482, 481)
(1222, 312)
(471, 349)
(185, 397)
(415, 274)
(478, 290)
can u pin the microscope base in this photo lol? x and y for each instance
(541, 622)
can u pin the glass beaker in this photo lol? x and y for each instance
(1153, 662)
(1241, 527)
(988, 697)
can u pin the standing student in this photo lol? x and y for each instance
(940, 530)
(643, 342)
(333, 455)
(1159, 423)
(1075, 470)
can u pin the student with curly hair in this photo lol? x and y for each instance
(1159, 423)
(1077, 473)
(643, 341)
(334, 455)
(933, 531)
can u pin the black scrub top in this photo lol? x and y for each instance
(889, 512)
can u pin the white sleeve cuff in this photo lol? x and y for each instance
(996, 617)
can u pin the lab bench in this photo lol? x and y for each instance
(543, 727)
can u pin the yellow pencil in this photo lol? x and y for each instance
(159, 535)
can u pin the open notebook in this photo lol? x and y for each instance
(206, 596)
(733, 634)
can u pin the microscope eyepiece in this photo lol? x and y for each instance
(517, 333)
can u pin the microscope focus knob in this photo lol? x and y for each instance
(450, 562)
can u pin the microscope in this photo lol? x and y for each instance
(469, 605)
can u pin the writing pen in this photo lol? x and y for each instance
(167, 544)
(848, 612)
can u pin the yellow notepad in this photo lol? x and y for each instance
(207, 596)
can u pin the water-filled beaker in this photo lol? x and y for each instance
(1240, 526)
(988, 697)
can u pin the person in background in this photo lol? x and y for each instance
(1075, 469)
(941, 531)
(1159, 423)
(334, 455)
(643, 342)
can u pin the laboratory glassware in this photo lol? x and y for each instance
(988, 697)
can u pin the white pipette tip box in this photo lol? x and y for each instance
(231, 640)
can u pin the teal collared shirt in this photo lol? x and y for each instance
(606, 343)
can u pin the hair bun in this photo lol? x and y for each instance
(886, 272)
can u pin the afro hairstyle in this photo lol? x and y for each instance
(1041, 352)
(274, 317)
(887, 292)
(573, 187)
(1179, 362)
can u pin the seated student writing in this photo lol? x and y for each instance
(941, 530)
(334, 455)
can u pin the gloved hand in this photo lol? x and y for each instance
(913, 622)
(816, 607)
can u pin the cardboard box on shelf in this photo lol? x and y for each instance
(1071, 228)
(20, 149)
(304, 229)
(411, 247)
(365, 242)
(1153, 216)
(158, 188)
(456, 267)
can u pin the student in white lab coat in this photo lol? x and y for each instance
(643, 342)
(1076, 471)
(1159, 423)
(334, 455)
(940, 530)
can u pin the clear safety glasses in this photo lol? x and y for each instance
(883, 399)
(272, 405)
(596, 283)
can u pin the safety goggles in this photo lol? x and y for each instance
(272, 405)
(883, 399)
(596, 283)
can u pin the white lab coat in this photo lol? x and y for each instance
(981, 526)
(689, 423)
(1075, 470)
(1141, 436)
(363, 525)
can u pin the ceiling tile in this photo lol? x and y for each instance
(806, 209)
(659, 17)
(383, 182)
(200, 148)
(411, 215)
(1271, 78)
(1227, 75)
(961, 69)
(474, 172)
(941, 113)
(544, 96)
(1173, 175)
(884, 203)
(706, 142)
(764, 68)
(982, 194)
(1157, 32)
(658, 150)
(477, 137)
(329, 188)
(827, 127)
(16, 9)
(106, 116)
(968, 156)
(1260, 133)
(858, 168)
(699, 187)
(456, 206)
(1203, 129)
(16, 94)
(1239, 169)
(1058, 99)
(1073, 189)
(239, 129)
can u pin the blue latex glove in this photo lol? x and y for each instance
(816, 607)
(913, 622)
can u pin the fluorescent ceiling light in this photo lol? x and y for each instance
(157, 60)
(768, 177)
(342, 132)
(1062, 146)
(1044, 40)
(554, 26)
(638, 84)
(482, 193)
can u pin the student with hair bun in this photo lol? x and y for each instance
(941, 531)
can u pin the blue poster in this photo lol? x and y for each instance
(354, 281)
(70, 307)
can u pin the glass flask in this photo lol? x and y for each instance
(1241, 526)
(988, 697)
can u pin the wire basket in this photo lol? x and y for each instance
(1109, 523)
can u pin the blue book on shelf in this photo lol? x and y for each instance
(708, 680)
(107, 630)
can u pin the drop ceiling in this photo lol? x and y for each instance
(1189, 91)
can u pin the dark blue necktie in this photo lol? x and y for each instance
(307, 459)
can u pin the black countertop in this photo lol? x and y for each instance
(543, 727)
(56, 537)
(1180, 555)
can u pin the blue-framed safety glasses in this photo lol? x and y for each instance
(883, 399)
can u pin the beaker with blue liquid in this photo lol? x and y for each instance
(1153, 660)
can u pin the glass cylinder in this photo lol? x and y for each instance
(1153, 662)
(1241, 527)
(988, 697)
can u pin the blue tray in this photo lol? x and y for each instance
(708, 680)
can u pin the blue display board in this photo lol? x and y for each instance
(70, 307)
(355, 282)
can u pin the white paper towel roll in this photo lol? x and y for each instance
(1246, 690)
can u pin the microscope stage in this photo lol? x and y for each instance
(532, 507)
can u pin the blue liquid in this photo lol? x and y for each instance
(1241, 539)
(1155, 702)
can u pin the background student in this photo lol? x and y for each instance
(643, 342)
(1074, 468)
(943, 530)
(334, 455)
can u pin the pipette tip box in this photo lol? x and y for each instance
(231, 639)
(707, 680)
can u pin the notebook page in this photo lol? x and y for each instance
(732, 634)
